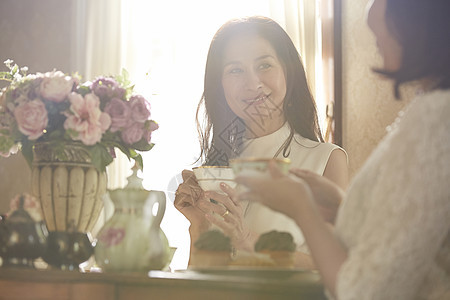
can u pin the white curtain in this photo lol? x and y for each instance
(163, 45)
(97, 28)
(299, 20)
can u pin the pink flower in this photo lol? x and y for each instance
(31, 118)
(133, 133)
(140, 108)
(55, 86)
(149, 128)
(120, 114)
(112, 236)
(107, 88)
(86, 118)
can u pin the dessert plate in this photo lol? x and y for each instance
(261, 272)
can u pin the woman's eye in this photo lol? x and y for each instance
(235, 71)
(264, 66)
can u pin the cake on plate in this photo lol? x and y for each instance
(212, 249)
(279, 246)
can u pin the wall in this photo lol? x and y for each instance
(36, 34)
(368, 101)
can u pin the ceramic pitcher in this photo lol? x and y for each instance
(132, 240)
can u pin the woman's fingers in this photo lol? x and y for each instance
(188, 175)
(189, 188)
(230, 224)
(229, 191)
(274, 170)
(221, 223)
(225, 201)
(180, 200)
(208, 207)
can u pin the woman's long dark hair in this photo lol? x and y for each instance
(422, 29)
(219, 135)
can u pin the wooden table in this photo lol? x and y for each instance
(24, 284)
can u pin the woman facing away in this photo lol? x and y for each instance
(392, 233)
(257, 104)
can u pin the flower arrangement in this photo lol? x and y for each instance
(56, 108)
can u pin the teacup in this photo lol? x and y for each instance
(257, 167)
(210, 177)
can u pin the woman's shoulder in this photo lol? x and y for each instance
(436, 102)
(312, 155)
(426, 115)
(306, 144)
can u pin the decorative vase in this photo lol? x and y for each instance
(132, 240)
(68, 186)
(66, 250)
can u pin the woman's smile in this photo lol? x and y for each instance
(257, 100)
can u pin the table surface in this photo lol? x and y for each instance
(217, 284)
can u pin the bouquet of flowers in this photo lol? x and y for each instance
(56, 108)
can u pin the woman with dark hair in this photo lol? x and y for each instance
(256, 103)
(392, 235)
(298, 107)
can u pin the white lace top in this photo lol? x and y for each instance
(303, 153)
(395, 220)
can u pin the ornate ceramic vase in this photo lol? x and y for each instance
(131, 240)
(70, 190)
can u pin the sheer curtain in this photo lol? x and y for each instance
(163, 45)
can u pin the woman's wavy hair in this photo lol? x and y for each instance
(219, 134)
(422, 28)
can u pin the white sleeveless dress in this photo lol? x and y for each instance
(304, 154)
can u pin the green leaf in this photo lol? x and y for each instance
(57, 134)
(133, 153)
(27, 151)
(138, 159)
(100, 157)
(84, 90)
(125, 75)
(142, 145)
(124, 149)
(14, 69)
(6, 76)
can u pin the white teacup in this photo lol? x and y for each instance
(210, 177)
(257, 167)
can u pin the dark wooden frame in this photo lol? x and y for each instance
(337, 72)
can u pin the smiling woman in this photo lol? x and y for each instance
(257, 104)
(163, 45)
(253, 76)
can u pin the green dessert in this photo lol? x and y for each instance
(279, 245)
(212, 249)
(275, 241)
(213, 240)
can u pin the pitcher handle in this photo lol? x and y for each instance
(161, 200)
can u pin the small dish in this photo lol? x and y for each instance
(258, 272)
